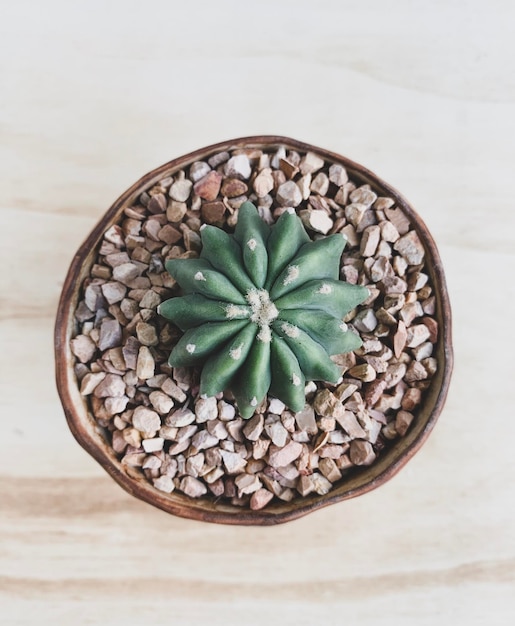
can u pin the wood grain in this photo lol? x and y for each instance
(95, 94)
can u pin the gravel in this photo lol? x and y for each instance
(151, 413)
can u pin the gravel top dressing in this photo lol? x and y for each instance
(153, 415)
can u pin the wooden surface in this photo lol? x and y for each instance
(93, 95)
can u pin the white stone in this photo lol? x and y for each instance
(146, 420)
(153, 445)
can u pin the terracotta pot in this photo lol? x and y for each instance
(88, 434)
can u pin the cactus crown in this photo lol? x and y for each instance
(263, 310)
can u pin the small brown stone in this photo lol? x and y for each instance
(233, 187)
(279, 457)
(146, 420)
(254, 427)
(411, 248)
(212, 212)
(176, 211)
(288, 194)
(168, 234)
(417, 334)
(234, 463)
(432, 326)
(180, 190)
(370, 240)
(208, 187)
(247, 483)
(403, 421)
(398, 218)
(145, 365)
(263, 183)
(362, 452)
(83, 348)
(364, 372)
(350, 424)
(110, 334)
(329, 469)
(310, 163)
(399, 339)
(411, 398)
(260, 499)
(192, 487)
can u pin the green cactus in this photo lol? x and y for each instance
(263, 310)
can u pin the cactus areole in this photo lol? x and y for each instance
(262, 310)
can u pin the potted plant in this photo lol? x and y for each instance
(254, 330)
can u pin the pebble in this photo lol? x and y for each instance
(238, 166)
(363, 195)
(208, 187)
(411, 248)
(388, 231)
(90, 382)
(115, 405)
(145, 365)
(192, 487)
(234, 187)
(263, 183)
(354, 213)
(212, 212)
(153, 445)
(146, 334)
(317, 220)
(279, 457)
(306, 421)
(276, 406)
(247, 483)
(365, 321)
(110, 334)
(206, 409)
(180, 190)
(254, 427)
(146, 420)
(176, 211)
(326, 404)
(114, 292)
(181, 417)
(399, 219)
(164, 483)
(349, 422)
(203, 440)
(234, 463)
(403, 421)
(83, 348)
(277, 433)
(310, 163)
(321, 485)
(362, 452)
(289, 194)
(168, 234)
(162, 403)
(417, 334)
(370, 240)
(260, 499)
(329, 469)
(338, 174)
(111, 386)
(126, 272)
(320, 184)
(198, 170)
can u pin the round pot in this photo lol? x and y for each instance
(90, 436)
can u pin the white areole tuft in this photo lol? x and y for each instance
(199, 276)
(235, 353)
(191, 347)
(252, 244)
(292, 274)
(325, 289)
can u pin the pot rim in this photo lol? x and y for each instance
(87, 432)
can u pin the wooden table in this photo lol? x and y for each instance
(95, 94)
